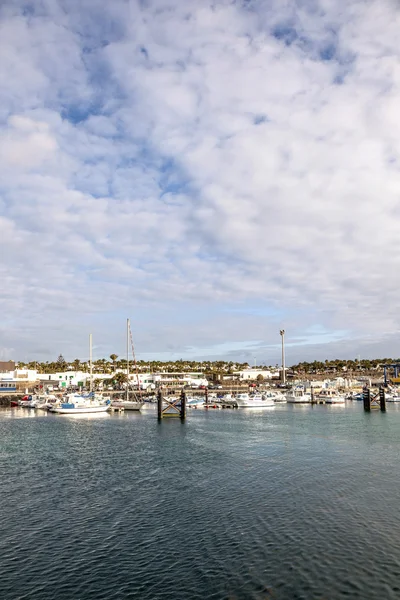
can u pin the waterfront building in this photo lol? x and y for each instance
(252, 374)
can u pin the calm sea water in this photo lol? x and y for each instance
(288, 503)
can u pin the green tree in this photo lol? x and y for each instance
(120, 379)
(61, 363)
(113, 357)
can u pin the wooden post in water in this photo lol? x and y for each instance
(382, 398)
(183, 405)
(206, 396)
(367, 399)
(159, 404)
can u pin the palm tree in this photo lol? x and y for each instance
(113, 357)
(120, 379)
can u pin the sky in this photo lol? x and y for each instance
(213, 170)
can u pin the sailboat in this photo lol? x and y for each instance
(74, 404)
(127, 403)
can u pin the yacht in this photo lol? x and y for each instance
(253, 401)
(298, 395)
(80, 404)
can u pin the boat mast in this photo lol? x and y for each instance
(135, 363)
(90, 362)
(127, 359)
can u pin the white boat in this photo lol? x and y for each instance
(194, 402)
(127, 403)
(275, 396)
(298, 395)
(73, 404)
(42, 400)
(392, 398)
(25, 402)
(253, 401)
(329, 396)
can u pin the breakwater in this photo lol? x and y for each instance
(5, 400)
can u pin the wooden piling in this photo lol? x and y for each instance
(367, 399)
(382, 398)
(183, 405)
(159, 404)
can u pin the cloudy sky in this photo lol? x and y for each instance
(214, 170)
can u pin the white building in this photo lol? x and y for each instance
(21, 375)
(64, 379)
(252, 374)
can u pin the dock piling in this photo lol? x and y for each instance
(382, 398)
(183, 405)
(159, 404)
(367, 399)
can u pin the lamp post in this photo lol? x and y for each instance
(282, 332)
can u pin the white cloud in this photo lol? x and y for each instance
(201, 155)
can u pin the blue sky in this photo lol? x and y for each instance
(213, 170)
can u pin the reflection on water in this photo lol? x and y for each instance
(99, 415)
(297, 502)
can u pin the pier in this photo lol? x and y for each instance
(172, 406)
(376, 401)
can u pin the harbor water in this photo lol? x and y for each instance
(289, 503)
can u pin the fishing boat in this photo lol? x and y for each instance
(73, 404)
(127, 403)
(329, 396)
(41, 400)
(254, 401)
(298, 395)
(275, 396)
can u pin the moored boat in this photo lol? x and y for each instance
(41, 400)
(329, 396)
(253, 401)
(79, 404)
(298, 395)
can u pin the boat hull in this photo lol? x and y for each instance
(298, 400)
(127, 405)
(79, 410)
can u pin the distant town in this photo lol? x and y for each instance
(112, 373)
(114, 364)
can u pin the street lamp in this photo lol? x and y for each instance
(282, 332)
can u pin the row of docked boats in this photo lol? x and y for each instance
(68, 404)
(296, 395)
(77, 403)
